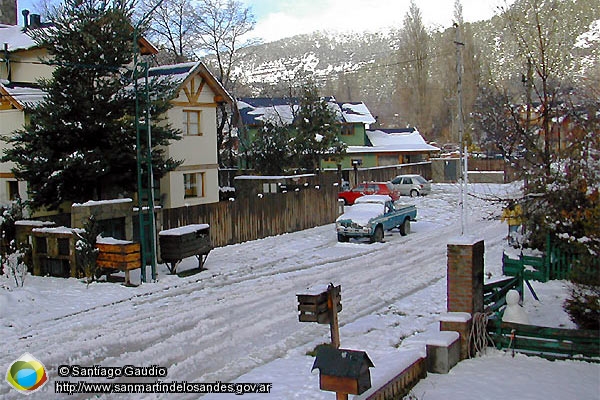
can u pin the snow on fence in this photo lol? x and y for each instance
(257, 217)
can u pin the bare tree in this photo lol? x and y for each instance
(220, 26)
(538, 32)
(172, 28)
(415, 47)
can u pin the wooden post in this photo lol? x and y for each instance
(332, 304)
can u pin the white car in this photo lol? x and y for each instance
(411, 185)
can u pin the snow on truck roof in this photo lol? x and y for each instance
(373, 198)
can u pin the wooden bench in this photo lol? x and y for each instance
(118, 255)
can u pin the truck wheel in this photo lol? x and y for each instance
(377, 235)
(405, 227)
(342, 238)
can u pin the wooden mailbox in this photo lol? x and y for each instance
(313, 304)
(343, 371)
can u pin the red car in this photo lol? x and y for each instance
(386, 188)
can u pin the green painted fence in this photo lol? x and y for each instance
(554, 264)
(550, 343)
(494, 294)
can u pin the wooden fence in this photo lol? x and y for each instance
(553, 264)
(551, 343)
(259, 216)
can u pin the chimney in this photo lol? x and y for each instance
(8, 12)
(35, 21)
(25, 18)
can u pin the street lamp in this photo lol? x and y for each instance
(149, 209)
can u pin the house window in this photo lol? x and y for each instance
(347, 129)
(13, 190)
(194, 184)
(191, 122)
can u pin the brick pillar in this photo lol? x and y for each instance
(458, 322)
(465, 277)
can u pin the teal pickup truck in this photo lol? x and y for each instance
(371, 215)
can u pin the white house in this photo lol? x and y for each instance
(194, 112)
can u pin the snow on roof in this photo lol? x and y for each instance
(112, 240)
(398, 140)
(176, 72)
(24, 95)
(357, 112)
(182, 230)
(16, 37)
(32, 222)
(58, 230)
(91, 203)
(281, 110)
(279, 115)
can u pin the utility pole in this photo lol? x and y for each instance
(463, 172)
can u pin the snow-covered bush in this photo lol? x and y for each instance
(85, 249)
(15, 268)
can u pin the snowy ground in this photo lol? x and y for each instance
(237, 321)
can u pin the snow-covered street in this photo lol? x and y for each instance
(237, 320)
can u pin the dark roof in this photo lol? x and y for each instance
(171, 70)
(252, 109)
(260, 102)
(397, 130)
(341, 362)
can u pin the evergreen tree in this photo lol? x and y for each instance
(271, 149)
(317, 130)
(80, 143)
(85, 249)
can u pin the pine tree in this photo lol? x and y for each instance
(85, 249)
(317, 131)
(80, 143)
(270, 149)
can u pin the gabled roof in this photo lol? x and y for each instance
(278, 111)
(16, 37)
(255, 111)
(19, 38)
(393, 140)
(341, 362)
(21, 95)
(183, 72)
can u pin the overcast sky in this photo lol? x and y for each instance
(282, 18)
